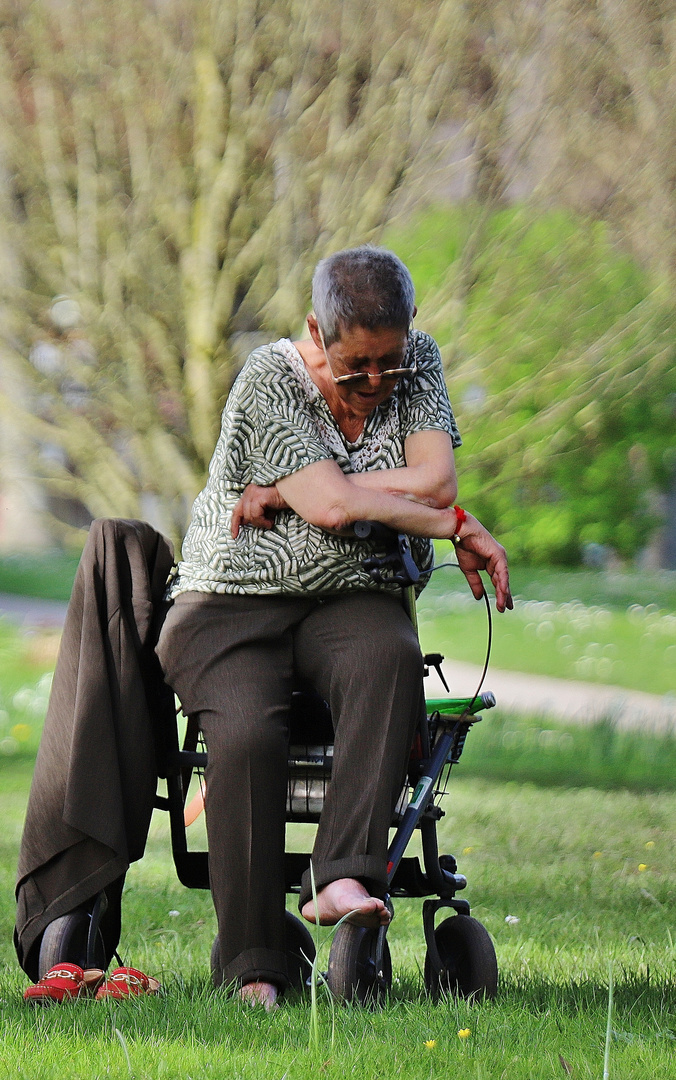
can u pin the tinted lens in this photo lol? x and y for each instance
(360, 376)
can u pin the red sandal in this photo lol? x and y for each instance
(64, 982)
(127, 981)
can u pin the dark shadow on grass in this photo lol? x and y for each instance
(632, 992)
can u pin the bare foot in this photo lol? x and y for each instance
(260, 993)
(347, 897)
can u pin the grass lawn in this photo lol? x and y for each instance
(571, 624)
(586, 873)
(49, 575)
(26, 663)
(617, 628)
(587, 876)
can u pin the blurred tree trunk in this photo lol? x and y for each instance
(177, 170)
(612, 118)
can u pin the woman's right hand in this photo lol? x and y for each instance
(257, 506)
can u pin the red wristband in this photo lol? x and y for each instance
(460, 516)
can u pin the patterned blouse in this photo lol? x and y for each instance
(276, 422)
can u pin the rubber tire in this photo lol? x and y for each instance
(65, 940)
(300, 952)
(468, 956)
(352, 974)
(299, 946)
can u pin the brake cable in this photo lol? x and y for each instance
(403, 571)
(489, 641)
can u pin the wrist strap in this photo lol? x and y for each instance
(460, 516)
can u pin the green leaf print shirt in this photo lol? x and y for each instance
(276, 422)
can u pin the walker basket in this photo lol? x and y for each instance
(311, 751)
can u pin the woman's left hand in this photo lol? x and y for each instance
(477, 550)
(257, 506)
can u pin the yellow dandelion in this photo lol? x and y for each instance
(642, 866)
(467, 850)
(464, 1033)
(431, 1043)
(650, 843)
(598, 854)
(21, 732)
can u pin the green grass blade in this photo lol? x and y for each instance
(609, 1024)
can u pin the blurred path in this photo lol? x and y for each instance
(580, 702)
(28, 611)
(516, 692)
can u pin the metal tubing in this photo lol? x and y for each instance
(98, 911)
(179, 840)
(419, 802)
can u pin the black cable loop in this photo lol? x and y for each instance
(441, 793)
(489, 643)
(378, 532)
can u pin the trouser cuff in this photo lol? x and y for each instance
(369, 869)
(257, 965)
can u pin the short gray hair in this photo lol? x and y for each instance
(364, 286)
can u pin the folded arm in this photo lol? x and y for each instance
(414, 499)
(324, 496)
(428, 476)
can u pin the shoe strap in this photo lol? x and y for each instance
(62, 973)
(130, 978)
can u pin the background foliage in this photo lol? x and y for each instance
(561, 372)
(176, 171)
(172, 171)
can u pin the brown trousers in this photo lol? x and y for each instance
(232, 661)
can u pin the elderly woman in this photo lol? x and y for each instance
(352, 423)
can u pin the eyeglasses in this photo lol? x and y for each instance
(360, 376)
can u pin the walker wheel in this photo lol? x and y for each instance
(65, 940)
(300, 952)
(469, 963)
(353, 974)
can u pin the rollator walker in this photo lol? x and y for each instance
(460, 957)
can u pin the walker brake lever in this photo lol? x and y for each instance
(433, 660)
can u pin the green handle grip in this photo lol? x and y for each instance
(453, 706)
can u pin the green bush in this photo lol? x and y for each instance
(560, 364)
